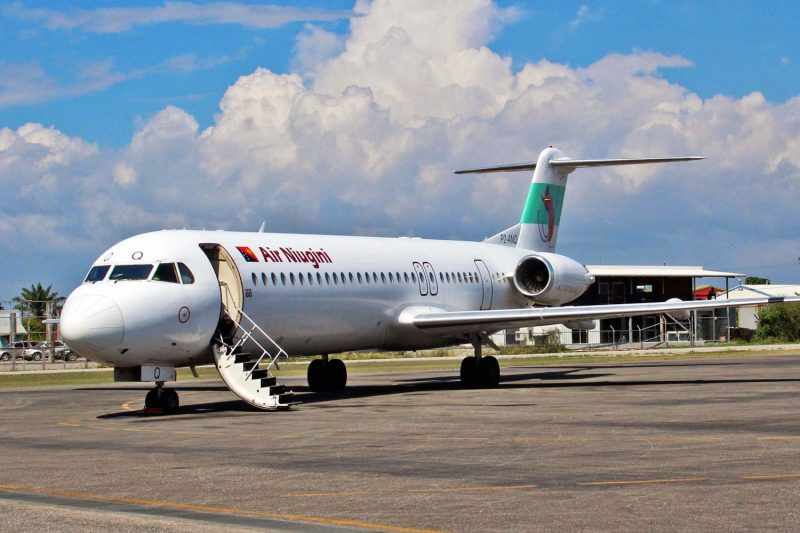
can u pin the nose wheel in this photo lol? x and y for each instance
(159, 398)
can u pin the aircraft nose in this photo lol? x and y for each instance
(91, 324)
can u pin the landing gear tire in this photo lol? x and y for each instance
(337, 374)
(327, 376)
(469, 371)
(489, 371)
(152, 400)
(169, 401)
(483, 372)
(316, 375)
(164, 399)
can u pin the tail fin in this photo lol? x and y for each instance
(541, 216)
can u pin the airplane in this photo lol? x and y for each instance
(243, 300)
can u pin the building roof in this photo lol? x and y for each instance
(659, 271)
(5, 324)
(751, 291)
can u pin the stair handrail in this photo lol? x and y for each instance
(248, 334)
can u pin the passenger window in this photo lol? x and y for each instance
(283, 278)
(366, 276)
(166, 272)
(97, 273)
(274, 278)
(319, 278)
(413, 277)
(186, 275)
(351, 277)
(391, 277)
(358, 276)
(291, 277)
(310, 279)
(335, 279)
(405, 276)
(343, 278)
(375, 277)
(459, 277)
(300, 278)
(441, 277)
(263, 279)
(383, 277)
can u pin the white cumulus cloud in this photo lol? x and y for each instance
(362, 139)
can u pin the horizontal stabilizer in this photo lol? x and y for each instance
(578, 163)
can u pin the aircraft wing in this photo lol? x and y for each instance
(494, 320)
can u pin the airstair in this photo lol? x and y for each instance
(247, 375)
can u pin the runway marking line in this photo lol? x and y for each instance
(211, 509)
(644, 481)
(770, 477)
(431, 490)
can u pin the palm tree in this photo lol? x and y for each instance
(34, 299)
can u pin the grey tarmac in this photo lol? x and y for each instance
(705, 444)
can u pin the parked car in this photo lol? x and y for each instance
(62, 351)
(27, 350)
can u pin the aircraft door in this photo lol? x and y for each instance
(486, 283)
(230, 281)
(423, 283)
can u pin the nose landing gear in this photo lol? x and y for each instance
(161, 399)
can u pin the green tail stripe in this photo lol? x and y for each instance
(540, 196)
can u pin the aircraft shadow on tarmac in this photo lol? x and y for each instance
(558, 377)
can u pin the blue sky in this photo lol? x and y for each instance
(100, 75)
(737, 47)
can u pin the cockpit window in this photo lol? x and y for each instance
(97, 273)
(186, 275)
(130, 272)
(166, 272)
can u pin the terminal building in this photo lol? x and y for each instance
(618, 284)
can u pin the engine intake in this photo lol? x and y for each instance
(551, 279)
(532, 276)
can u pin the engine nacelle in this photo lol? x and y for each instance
(551, 279)
(581, 324)
(678, 315)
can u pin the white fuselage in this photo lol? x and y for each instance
(314, 294)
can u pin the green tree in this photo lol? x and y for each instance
(34, 299)
(755, 280)
(779, 321)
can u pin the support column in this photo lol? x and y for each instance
(630, 330)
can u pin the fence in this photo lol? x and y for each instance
(710, 330)
(29, 337)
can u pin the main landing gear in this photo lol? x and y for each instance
(163, 399)
(478, 370)
(327, 375)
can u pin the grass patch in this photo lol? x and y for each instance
(297, 368)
